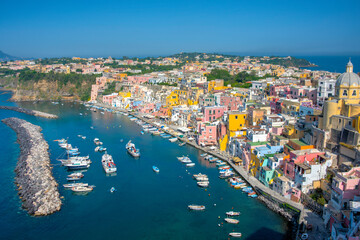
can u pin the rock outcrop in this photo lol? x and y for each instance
(37, 187)
(29, 112)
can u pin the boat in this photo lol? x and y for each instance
(71, 185)
(142, 132)
(190, 164)
(108, 163)
(184, 159)
(156, 169)
(231, 220)
(77, 164)
(82, 189)
(203, 155)
(199, 175)
(182, 144)
(203, 183)
(83, 137)
(173, 139)
(130, 147)
(202, 178)
(196, 207)
(232, 213)
(97, 141)
(77, 174)
(235, 234)
(73, 178)
(112, 189)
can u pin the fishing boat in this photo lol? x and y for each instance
(173, 139)
(108, 163)
(196, 207)
(82, 189)
(71, 185)
(190, 164)
(232, 213)
(231, 220)
(235, 234)
(203, 183)
(156, 169)
(130, 147)
(76, 165)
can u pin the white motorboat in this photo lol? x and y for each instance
(173, 139)
(235, 234)
(231, 220)
(199, 175)
(232, 213)
(77, 174)
(71, 185)
(203, 183)
(190, 164)
(82, 189)
(202, 178)
(196, 207)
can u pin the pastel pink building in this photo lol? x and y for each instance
(211, 113)
(206, 134)
(94, 92)
(231, 102)
(138, 79)
(147, 108)
(107, 99)
(298, 157)
(279, 90)
(299, 92)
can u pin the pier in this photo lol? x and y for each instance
(37, 187)
(30, 112)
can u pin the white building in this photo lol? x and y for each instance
(326, 89)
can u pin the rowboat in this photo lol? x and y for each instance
(155, 169)
(232, 213)
(196, 207)
(235, 234)
(231, 220)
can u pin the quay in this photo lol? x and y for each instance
(30, 112)
(37, 187)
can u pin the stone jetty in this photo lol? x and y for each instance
(29, 112)
(37, 187)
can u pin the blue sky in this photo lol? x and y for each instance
(142, 28)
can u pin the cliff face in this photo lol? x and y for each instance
(46, 90)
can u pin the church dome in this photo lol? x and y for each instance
(348, 79)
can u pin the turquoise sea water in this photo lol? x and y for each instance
(146, 205)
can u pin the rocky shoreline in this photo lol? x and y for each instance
(37, 187)
(30, 112)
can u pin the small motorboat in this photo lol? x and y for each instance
(112, 189)
(235, 234)
(203, 184)
(173, 139)
(199, 175)
(182, 144)
(190, 164)
(232, 213)
(196, 207)
(82, 189)
(142, 132)
(71, 185)
(155, 169)
(231, 220)
(77, 174)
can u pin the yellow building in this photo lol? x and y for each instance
(215, 84)
(347, 98)
(237, 122)
(125, 94)
(172, 99)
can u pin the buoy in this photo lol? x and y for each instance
(209, 194)
(215, 204)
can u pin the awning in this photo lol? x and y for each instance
(237, 160)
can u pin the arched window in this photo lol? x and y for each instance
(354, 93)
(345, 93)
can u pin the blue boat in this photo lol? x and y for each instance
(73, 153)
(155, 169)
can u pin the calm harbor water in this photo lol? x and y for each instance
(146, 205)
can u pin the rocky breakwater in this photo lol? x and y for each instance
(36, 185)
(29, 112)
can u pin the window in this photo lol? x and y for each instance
(345, 93)
(354, 93)
(236, 117)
